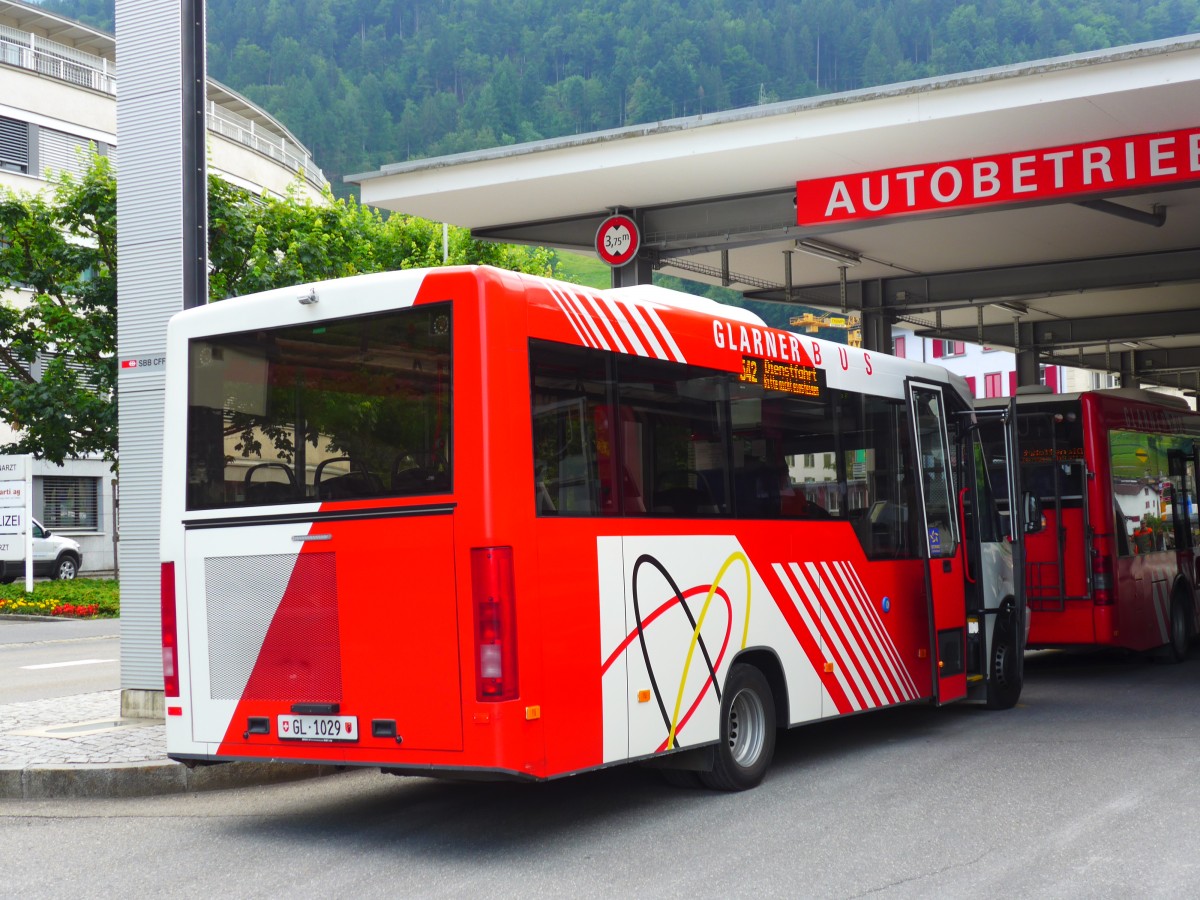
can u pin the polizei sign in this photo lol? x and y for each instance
(1096, 167)
(16, 512)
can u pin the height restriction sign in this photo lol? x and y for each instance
(617, 240)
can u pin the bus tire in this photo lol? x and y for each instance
(1181, 632)
(747, 738)
(1007, 676)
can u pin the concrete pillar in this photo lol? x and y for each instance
(639, 271)
(1027, 368)
(1128, 374)
(876, 320)
(161, 215)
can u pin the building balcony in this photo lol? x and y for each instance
(229, 115)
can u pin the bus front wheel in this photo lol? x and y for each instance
(1007, 676)
(747, 740)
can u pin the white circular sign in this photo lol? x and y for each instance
(617, 240)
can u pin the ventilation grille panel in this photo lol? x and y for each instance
(273, 628)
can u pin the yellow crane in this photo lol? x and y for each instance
(814, 321)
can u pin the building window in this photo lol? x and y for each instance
(992, 386)
(898, 348)
(62, 152)
(14, 145)
(71, 504)
(948, 348)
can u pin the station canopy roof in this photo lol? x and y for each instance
(1051, 205)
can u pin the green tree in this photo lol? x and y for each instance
(58, 255)
(58, 275)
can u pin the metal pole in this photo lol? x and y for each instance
(195, 156)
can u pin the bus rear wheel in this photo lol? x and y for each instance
(747, 740)
(1181, 632)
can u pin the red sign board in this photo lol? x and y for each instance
(1074, 170)
(617, 240)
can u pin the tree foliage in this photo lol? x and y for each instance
(58, 275)
(58, 254)
(363, 83)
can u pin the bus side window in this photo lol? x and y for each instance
(877, 460)
(674, 438)
(784, 455)
(573, 454)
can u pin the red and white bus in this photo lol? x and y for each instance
(468, 521)
(1115, 566)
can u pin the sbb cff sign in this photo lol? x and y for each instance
(1097, 167)
(618, 240)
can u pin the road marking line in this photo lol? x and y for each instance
(77, 662)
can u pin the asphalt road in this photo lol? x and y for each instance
(44, 658)
(1088, 789)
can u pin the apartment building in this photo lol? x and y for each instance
(58, 102)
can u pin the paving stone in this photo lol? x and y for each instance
(124, 761)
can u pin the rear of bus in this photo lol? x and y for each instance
(1115, 558)
(1057, 557)
(330, 594)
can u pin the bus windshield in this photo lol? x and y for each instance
(355, 408)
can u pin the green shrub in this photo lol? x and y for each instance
(81, 598)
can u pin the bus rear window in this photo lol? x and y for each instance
(352, 409)
(1050, 437)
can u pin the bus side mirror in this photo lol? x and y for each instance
(1032, 507)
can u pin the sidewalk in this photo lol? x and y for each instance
(79, 747)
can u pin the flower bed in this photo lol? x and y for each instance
(83, 598)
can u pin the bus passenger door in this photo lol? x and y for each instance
(944, 578)
(1181, 466)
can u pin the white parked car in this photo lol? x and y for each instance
(54, 556)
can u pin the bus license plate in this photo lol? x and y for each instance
(318, 728)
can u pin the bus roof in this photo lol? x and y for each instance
(846, 367)
(1136, 395)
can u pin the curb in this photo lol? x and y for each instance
(141, 779)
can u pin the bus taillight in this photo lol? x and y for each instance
(170, 634)
(1102, 576)
(495, 623)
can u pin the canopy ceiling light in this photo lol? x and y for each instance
(839, 255)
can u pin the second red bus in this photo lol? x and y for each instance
(1115, 566)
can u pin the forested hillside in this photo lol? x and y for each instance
(368, 82)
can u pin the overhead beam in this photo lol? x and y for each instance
(1078, 332)
(677, 229)
(920, 293)
(1156, 218)
(1151, 363)
(574, 233)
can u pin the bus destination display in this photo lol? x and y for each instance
(790, 378)
(1035, 455)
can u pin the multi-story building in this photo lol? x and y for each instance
(992, 372)
(58, 102)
